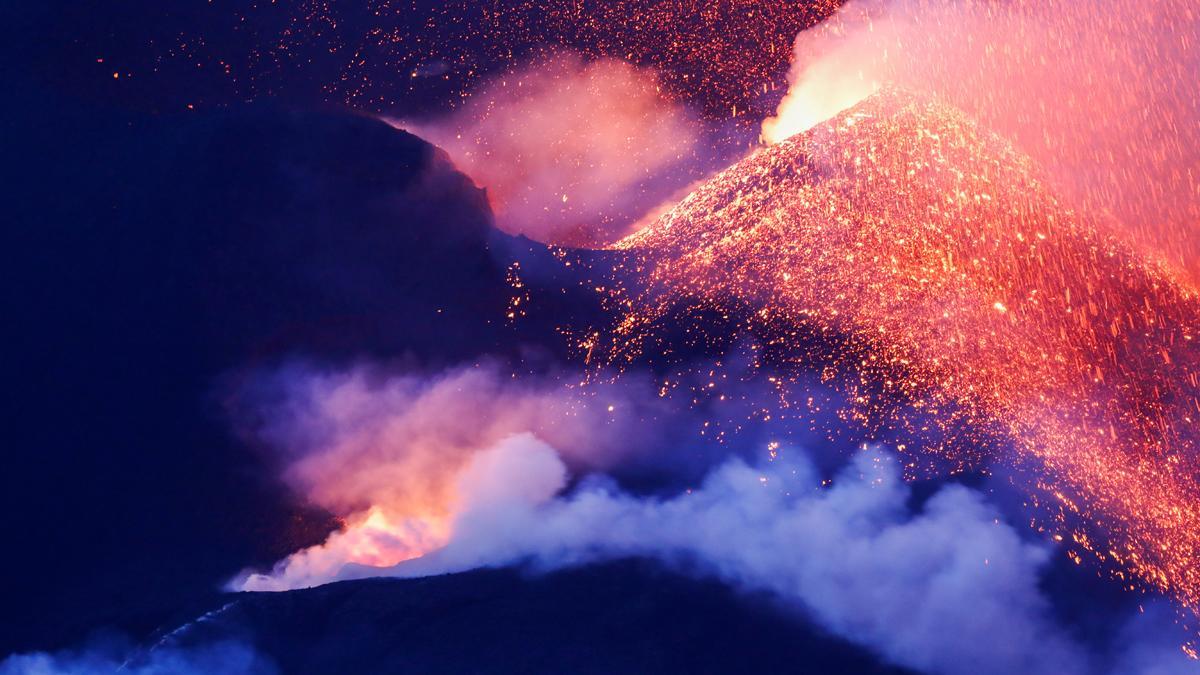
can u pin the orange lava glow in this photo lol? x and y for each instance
(967, 290)
(381, 536)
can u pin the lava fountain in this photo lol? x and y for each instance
(1100, 94)
(964, 285)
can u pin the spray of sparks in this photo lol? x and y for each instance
(721, 55)
(922, 263)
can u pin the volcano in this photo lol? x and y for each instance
(954, 287)
(625, 616)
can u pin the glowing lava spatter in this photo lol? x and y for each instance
(965, 286)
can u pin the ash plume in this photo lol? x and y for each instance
(570, 151)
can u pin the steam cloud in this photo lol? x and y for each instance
(950, 589)
(1101, 94)
(383, 452)
(569, 151)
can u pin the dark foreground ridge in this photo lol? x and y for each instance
(623, 617)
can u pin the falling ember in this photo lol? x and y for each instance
(963, 286)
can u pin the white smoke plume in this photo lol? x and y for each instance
(948, 590)
(570, 151)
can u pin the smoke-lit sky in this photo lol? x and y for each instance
(877, 315)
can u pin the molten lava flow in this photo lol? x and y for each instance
(967, 289)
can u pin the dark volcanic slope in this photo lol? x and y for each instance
(626, 617)
(148, 261)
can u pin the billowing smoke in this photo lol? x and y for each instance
(949, 590)
(1101, 94)
(382, 452)
(470, 468)
(830, 71)
(570, 152)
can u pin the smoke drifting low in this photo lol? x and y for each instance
(471, 469)
(382, 451)
(570, 152)
(937, 591)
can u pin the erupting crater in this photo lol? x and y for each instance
(969, 291)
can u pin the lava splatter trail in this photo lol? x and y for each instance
(966, 286)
